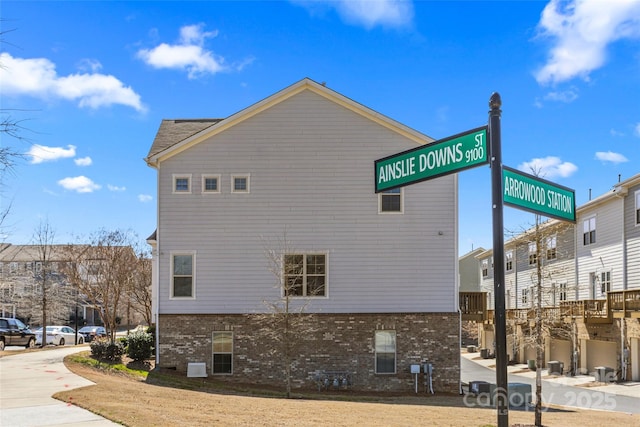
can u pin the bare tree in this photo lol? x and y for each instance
(286, 322)
(103, 271)
(43, 238)
(140, 287)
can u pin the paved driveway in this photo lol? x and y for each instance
(27, 382)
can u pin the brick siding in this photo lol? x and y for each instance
(330, 342)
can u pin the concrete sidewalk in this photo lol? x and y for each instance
(27, 382)
(631, 389)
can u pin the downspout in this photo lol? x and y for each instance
(456, 289)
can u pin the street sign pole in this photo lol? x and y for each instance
(500, 322)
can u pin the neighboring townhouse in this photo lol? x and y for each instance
(21, 277)
(590, 285)
(276, 204)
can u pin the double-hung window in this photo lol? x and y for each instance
(390, 201)
(524, 296)
(533, 253)
(183, 275)
(508, 261)
(485, 267)
(305, 275)
(562, 291)
(589, 231)
(222, 352)
(605, 282)
(551, 244)
(385, 343)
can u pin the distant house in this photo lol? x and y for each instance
(290, 181)
(591, 285)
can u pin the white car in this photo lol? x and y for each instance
(59, 335)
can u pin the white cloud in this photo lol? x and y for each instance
(37, 77)
(581, 31)
(548, 167)
(188, 54)
(367, 13)
(566, 96)
(41, 153)
(80, 184)
(637, 130)
(609, 156)
(614, 133)
(115, 188)
(83, 161)
(144, 198)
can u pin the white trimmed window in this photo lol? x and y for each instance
(638, 207)
(562, 291)
(524, 296)
(533, 253)
(485, 267)
(605, 282)
(589, 231)
(183, 274)
(240, 183)
(390, 201)
(552, 248)
(385, 343)
(508, 261)
(182, 184)
(211, 183)
(222, 350)
(305, 275)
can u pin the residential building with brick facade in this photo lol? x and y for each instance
(276, 204)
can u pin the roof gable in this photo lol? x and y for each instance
(175, 136)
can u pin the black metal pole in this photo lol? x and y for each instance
(500, 321)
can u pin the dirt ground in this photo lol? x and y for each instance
(150, 403)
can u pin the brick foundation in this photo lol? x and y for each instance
(334, 342)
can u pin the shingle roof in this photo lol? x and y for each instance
(173, 131)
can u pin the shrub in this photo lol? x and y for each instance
(140, 345)
(104, 350)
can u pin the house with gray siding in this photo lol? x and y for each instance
(274, 206)
(590, 282)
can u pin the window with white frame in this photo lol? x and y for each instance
(533, 253)
(181, 184)
(183, 275)
(222, 350)
(385, 343)
(485, 267)
(210, 183)
(605, 282)
(508, 261)
(240, 183)
(638, 207)
(305, 275)
(551, 246)
(589, 231)
(390, 201)
(524, 296)
(562, 291)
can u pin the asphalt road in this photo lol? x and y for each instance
(555, 393)
(27, 382)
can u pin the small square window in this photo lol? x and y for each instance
(390, 201)
(211, 183)
(182, 183)
(240, 184)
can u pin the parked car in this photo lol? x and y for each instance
(91, 332)
(14, 332)
(59, 335)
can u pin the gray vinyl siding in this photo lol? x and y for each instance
(632, 233)
(311, 171)
(605, 253)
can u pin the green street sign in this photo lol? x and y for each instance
(536, 195)
(442, 157)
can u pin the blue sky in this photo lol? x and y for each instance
(91, 81)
